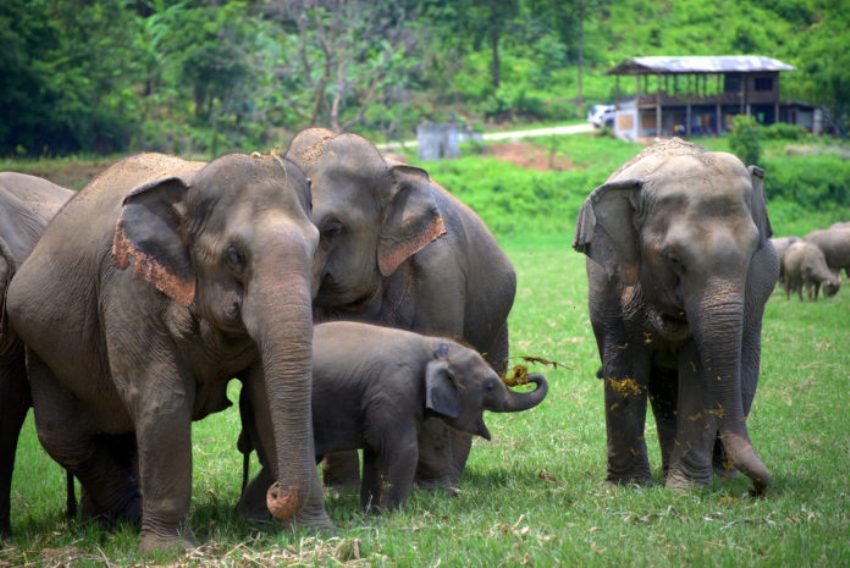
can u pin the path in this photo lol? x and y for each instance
(511, 135)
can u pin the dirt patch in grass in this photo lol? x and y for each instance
(528, 155)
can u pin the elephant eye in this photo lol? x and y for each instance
(235, 258)
(489, 385)
(332, 229)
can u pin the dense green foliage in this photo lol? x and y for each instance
(205, 75)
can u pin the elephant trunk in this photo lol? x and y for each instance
(717, 318)
(512, 401)
(278, 315)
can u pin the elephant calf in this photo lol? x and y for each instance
(804, 264)
(372, 389)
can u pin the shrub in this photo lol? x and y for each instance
(783, 131)
(744, 139)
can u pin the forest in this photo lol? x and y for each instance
(208, 76)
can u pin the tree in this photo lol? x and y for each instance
(340, 56)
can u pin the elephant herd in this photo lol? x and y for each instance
(361, 306)
(815, 260)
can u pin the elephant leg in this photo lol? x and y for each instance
(625, 371)
(341, 470)
(14, 404)
(163, 429)
(370, 490)
(436, 467)
(497, 354)
(397, 466)
(698, 413)
(461, 445)
(70, 496)
(663, 396)
(65, 431)
(252, 502)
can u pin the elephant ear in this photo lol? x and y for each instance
(441, 394)
(605, 229)
(758, 206)
(411, 220)
(149, 230)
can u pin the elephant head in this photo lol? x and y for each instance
(677, 229)
(371, 215)
(460, 386)
(234, 244)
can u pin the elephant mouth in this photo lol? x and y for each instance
(672, 325)
(357, 305)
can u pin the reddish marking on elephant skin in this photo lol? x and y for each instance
(282, 504)
(148, 269)
(394, 256)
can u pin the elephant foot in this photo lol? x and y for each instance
(641, 480)
(680, 482)
(312, 522)
(444, 484)
(128, 511)
(180, 541)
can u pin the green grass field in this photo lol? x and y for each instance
(535, 494)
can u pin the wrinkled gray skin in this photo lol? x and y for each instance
(804, 265)
(679, 268)
(835, 244)
(373, 388)
(27, 203)
(397, 249)
(152, 287)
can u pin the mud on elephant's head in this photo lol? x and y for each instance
(460, 386)
(675, 219)
(372, 215)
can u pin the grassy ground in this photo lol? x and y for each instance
(535, 493)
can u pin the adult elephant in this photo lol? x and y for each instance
(27, 203)
(399, 250)
(680, 267)
(835, 244)
(219, 285)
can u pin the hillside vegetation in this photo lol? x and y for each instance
(208, 76)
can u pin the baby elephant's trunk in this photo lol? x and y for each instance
(518, 401)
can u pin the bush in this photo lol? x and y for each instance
(744, 139)
(783, 131)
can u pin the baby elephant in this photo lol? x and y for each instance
(805, 265)
(372, 389)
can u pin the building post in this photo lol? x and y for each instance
(658, 107)
(637, 107)
(688, 120)
(719, 119)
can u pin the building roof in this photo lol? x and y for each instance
(699, 64)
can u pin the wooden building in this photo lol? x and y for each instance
(701, 95)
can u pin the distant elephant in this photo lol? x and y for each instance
(835, 245)
(373, 388)
(680, 267)
(397, 249)
(804, 265)
(780, 245)
(219, 285)
(27, 203)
